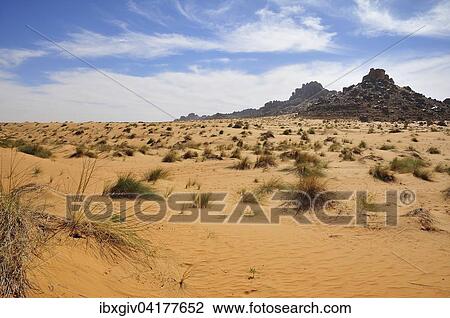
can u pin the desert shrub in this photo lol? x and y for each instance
(422, 173)
(265, 161)
(287, 132)
(243, 164)
(128, 152)
(414, 139)
(266, 135)
(362, 144)
(307, 164)
(311, 131)
(425, 218)
(446, 193)
(35, 150)
(311, 186)
(236, 154)
(387, 147)
(126, 186)
(11, 143)
(317, 146)
(22, 232)
(239, 124)
(208, 154)
(156, 174)
(407, 164)
(433, 151)
(335, 146)
(347, 154)
(171, 156)
(382, 173)
(190, 154)
(82, 151)
(247, 196)
(442, 168)
(143, 149)
(270, 186)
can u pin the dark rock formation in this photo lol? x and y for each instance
(308, 91)
(377, 98)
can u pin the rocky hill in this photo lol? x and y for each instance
(377, 97)
(310, 90)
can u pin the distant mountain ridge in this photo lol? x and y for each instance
(377, 97)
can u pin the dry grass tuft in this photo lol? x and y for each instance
(22, 233)
(243, 164)
(382, 173)
(156, 174)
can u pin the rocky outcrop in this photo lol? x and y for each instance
(308, 91)
(377, 98)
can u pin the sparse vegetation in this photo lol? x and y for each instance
(243, 164)
(423, 173)
(265, 161)
(382, 173)
(407, 164)
(156, 174)
(35, 150)
(171, 156)
(126, 186)
(387, 147)
(433, 151)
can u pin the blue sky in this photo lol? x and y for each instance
(206, 56)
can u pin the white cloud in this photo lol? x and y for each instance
(15, 57)
(84, 95)
(280, 31)
(131, 44)
(284, 30)
(377, 19)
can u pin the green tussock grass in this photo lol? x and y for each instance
(126, 186)
(156, 174)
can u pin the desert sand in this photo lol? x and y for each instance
(240, 260)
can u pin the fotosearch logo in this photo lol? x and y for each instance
(210, 207)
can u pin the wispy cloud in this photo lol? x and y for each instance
(131, 44)
(286, 29)
(377, 19)
(152, 13)
(15, 57)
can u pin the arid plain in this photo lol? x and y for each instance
(259, 156)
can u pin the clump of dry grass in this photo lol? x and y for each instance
(22, 233)
(382, 173)
(35, 150)
(190, 154)
(265, 161)
(171, 156)
(310, 186)
(446, 193)
(407, 164)
(82, 151)
(156, 174)
(426, 220)
(423, 174)
(243, 164)
(307, 165)
(201, 200)
(442, 168)
(126, 186)
(114, 239)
